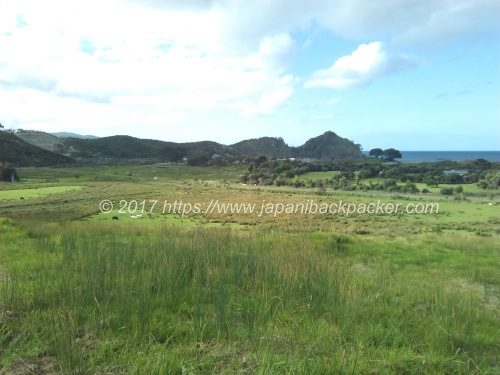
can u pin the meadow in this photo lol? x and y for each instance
(226, 293)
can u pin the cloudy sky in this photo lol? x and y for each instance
(409, 74)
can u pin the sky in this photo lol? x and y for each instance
(408, 74)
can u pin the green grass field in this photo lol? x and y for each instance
(159, 292)
(14, 194)
(318, 175)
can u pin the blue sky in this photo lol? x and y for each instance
(409, 74)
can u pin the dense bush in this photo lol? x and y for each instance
(349, 175)
(447, 191)
(8, 174)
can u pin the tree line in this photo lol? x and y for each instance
(389, 154)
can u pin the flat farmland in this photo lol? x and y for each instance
(191, 271)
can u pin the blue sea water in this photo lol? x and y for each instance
(422, 156)
(433, 156)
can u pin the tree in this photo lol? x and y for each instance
(411, 188)
(8, 174)
(453, 178)
(376, 152)
(482, 164)
(198, 159)
(447, 191)
(260, 160)
(389, 184)
(431, 181)
(392, 153)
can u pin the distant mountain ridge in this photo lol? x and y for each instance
(123, 148)
(73, 135)
(327, 146)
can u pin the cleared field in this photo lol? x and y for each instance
(140, 173)
(30, 193)
(318, 175)
(468, 188)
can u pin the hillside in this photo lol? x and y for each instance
(44, 140)
(208, 147)
(126, 147)
(15, 151)
(73, 135)
(120, 147)
(327, 146)
(26, 147)
(267, 146)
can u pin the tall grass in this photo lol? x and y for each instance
(122, 300)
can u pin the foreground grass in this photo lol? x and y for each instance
(102, 298)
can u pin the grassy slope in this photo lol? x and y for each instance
(19, 153)
(43, 140)
(302, 294)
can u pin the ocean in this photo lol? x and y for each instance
(432, 156)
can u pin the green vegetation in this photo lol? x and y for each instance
(328, 146)
(108, 299)
(389, 154)
(19, 153)
(373, 174)
(34, 148)
(267, 146)
(44, 140)
(8, 174)
(225, 293)
(14, 194)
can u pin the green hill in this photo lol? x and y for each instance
(120, 147)
(44, 140)
(126, 147)
(208, 147)
(267, 146)
(17, 152)
(38, 148)
(327, 146)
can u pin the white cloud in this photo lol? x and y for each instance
(393, 20)
(452, 20)
(168, 57)
(115, 64)
(360, 68)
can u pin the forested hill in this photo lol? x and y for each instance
(326, 147)
(39, 148)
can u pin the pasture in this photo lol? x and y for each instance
(163, 292)
(15, 194)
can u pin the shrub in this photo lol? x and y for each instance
(447, 191)
(8, 174)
